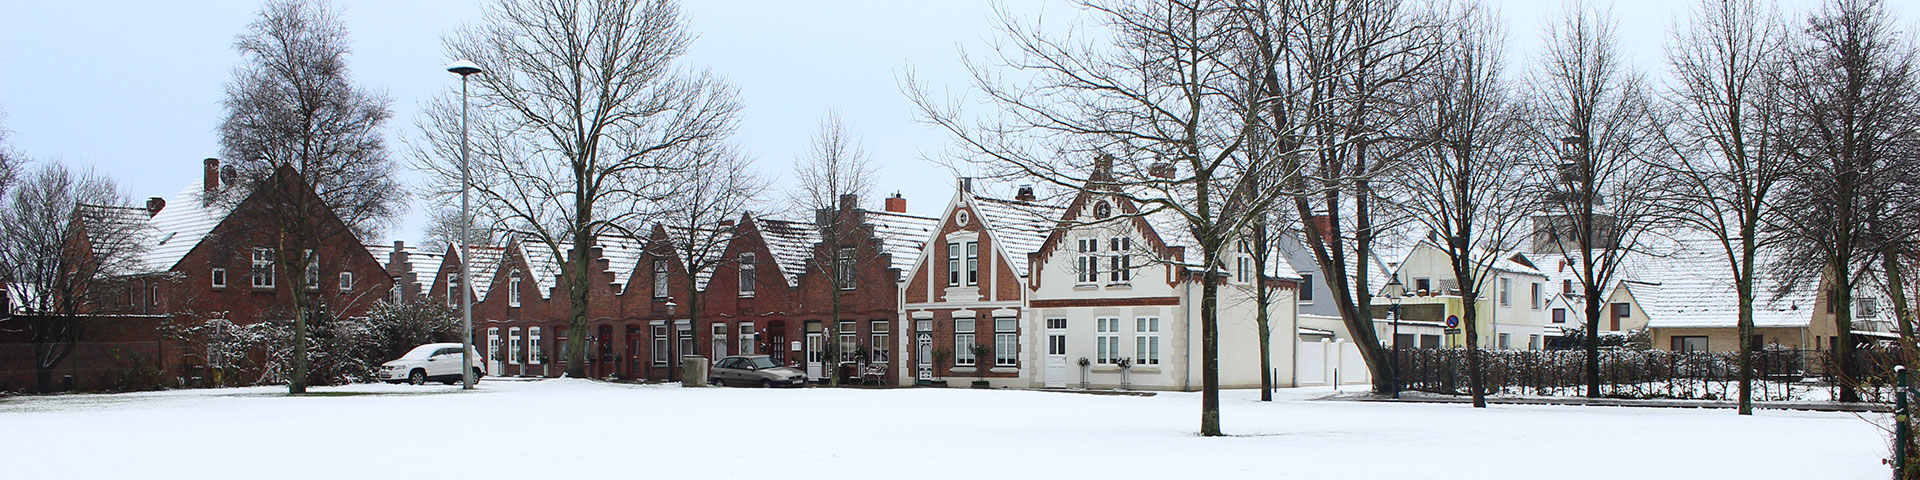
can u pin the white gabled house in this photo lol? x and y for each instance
(1513, 306)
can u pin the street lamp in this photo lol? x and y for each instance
(1394, 290)
(465, 68)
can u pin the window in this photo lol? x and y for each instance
(1121, 263)
(346, 281)
(1306, 287)
(513, 345)
(313, 270)
(882, 347)
(746, 338)
(219, 278)
(686, 339)
(453, 288)
(1057, 336)
(973, 263)
(1620, 312)
(561, 345)
(660, 345)
(536, 351)
(719, 340)
(493, 343)
(963, 342)
(513, 289)
(396, 293)
(1422, 285)
(1533, 341)
(953, 264)
(1566, 286)
(1536, 295)
(1089, 260)
(1866, 307)
(262, 273)
(1106, 340)
(1146, 338)
(1242, 263)
(659, 279)
(1006, 344)
(845, 265)
(1690, 344)
(847, 347)
(1559, 315)
(1506, 342)
(1506, 292)
(746, 275)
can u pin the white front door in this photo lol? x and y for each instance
(923, 356)
(816, 358)
(1056, 353)
(493, 352)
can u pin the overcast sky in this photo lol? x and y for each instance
(134, 88)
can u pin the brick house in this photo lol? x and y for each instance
(969, 286)
(207, 256)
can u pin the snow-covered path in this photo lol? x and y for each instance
(575, 429)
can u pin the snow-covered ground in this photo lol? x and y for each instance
(575, 429)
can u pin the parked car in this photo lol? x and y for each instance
(750, 370)
(436, 362)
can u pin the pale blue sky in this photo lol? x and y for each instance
(134, 88)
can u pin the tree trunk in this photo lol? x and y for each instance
(1843, 326)
(1744, 290)
(1470, 310)
(577, 285)
(1593, 339)
(1897, 285)
(1210, 353)
(296, 276)
(1263, 295)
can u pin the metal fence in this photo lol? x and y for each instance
(1779, 374)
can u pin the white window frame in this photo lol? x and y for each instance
(1006, 342)
(536, 352)
(1120, 263)
(849, 334)
(219, 278)
(261, 276)
(719, 340)
(973, 263)
(660, 278)
(1146, 341)
(747, 337)
(963, 338)
(1242, 264)
(880, 334)
(346, 281)
(453, 283)
(660, 342)
(953, 264)
(513, 289)
(1088, 264)
(1506, 292)
(1306, 288)
(1537, 287)
(513, 345)
(313, 270)
(1106, 340)
(1505, 341)
(847, 273)
(747, 271)
(493, 344)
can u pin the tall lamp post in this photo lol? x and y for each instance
(465, 68)
(1394, 290)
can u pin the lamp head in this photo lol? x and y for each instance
(463, 67)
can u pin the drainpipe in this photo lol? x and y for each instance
(1186, 305)
(1293, 379)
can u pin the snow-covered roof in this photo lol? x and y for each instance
(1020, 227)
(187, 219)
(1693, 286)
(424, 264)
(902, 236)
(791, 244)
(621, 252)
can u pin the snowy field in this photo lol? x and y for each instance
(586, 430)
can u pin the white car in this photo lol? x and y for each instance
(438, 362)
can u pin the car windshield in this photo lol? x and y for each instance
(761, 362)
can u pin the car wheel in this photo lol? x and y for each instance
(418, 377)
(765, 383)
(716, 382)
(477, 374)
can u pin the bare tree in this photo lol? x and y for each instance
(834, 173)
(1849, 87)
(697, 219)
(1726, 159)
(68, 244)
(444, 225)
(1338, 77)
(580, 120)
(306, 141)
(1157, 118)
(1462, 185)
(1592, 134)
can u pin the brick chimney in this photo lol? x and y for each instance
(1161, 170)
(154, 204)
(966, 184)
(1320, 223)
(897, 203)
(728, 223)
(849, 201)
(210, 175)
(1024, 194)
(1102, 168)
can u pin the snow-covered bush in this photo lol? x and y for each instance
(340, 350)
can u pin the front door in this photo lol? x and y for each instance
(493, 352)
(815, 355)
(923, 356)
(1056, 353)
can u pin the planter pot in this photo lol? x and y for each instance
(980, 384)
(937, 383)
